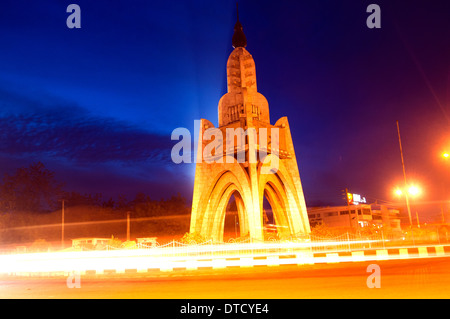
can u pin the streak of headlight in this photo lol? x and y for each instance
(161, 257)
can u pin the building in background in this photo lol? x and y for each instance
(353, 216)
(387, 216)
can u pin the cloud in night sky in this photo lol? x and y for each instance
(91, 147)
(74, 135)
(63, 129)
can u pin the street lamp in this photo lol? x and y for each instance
(413, 191)
(398, 192)
(404, 174)
(445, 157)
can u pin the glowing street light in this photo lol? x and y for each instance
(413, 190)
(445, 155)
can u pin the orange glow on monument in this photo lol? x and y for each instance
(238, 171)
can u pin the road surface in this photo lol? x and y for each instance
(415, 278)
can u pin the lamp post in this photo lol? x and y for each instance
(446, 157)
(62, 223)
(128, 226)
(404, 175)
(414, 191)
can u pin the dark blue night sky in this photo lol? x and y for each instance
(97, 105)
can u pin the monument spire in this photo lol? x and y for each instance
(255, 160)
(239, 40)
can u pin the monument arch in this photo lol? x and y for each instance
(250, 181)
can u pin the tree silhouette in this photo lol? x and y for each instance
(32, 188)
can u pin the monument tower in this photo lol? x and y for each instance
(218, 177)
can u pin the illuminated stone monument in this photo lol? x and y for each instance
(233, 169)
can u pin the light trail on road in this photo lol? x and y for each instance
(192, 257)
